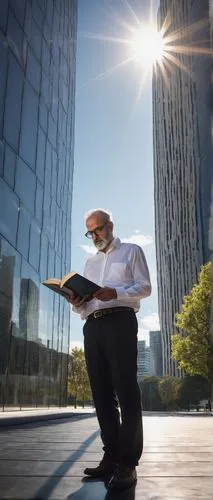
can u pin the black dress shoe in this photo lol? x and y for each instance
(105, 469)
(123, 478)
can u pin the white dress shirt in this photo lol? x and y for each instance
(122, 267)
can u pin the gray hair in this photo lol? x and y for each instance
(107, 216)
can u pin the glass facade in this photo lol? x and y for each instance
(37, 104)
(211, 212)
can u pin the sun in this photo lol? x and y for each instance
(151, 50)
(147, 46)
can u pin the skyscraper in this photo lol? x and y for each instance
(211, 211)
(156, 358)
(143, 362)
(182, 119)
(37, 105)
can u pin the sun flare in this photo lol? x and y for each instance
(147, 46)
(151, 50)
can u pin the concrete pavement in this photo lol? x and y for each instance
(14, 416)
(43, 460)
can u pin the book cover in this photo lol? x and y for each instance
(72, 282)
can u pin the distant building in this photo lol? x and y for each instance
(28, 311)
(156, 357)
(183, 159)
(143, 360)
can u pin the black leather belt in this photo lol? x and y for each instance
(110, 310)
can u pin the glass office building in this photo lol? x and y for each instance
(37, 104)
(183, 158)
(143, 360)
(156, 358)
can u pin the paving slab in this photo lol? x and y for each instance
(45, 460)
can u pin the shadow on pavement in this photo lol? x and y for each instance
(42, 423)
(52, 482)
(122, 495)
(95, 490)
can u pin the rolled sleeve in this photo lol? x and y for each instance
(141, 287)
(121, 292)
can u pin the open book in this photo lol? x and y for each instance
(72, 282)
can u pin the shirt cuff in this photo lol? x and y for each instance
(121, 292)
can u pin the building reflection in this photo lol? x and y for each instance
(7, 264)
(32, 371)
(36, 172)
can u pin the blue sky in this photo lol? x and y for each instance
(113, 140)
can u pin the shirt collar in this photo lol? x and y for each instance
(116, 243)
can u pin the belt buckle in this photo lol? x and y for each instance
(97, 314)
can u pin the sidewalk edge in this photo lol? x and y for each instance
(25, 419)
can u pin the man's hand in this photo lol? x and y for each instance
(75, 300)
(105, 294)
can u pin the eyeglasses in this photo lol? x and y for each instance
(95, 231)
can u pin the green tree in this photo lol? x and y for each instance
(192, 348)
(168, 390)
(192, 390)
(78, 382)
(150, 394)
(84, 388)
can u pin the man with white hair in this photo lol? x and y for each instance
(110, 342)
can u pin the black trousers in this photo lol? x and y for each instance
(110, 346)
